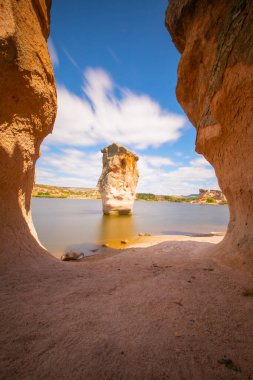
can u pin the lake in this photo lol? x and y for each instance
(78, 224)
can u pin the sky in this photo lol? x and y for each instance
(116, 70)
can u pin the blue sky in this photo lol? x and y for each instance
(115, 68)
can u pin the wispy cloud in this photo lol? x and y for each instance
(104, 114)
(70, 167)
(157, 161)
(183, 180)
(71, 59)
(52, 52)
(102, 117)
(113, 55)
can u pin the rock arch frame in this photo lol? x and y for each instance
(215, 81)
(28, 110)
(215, 88)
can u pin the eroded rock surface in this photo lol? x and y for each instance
(28, 109)
(214, 194)
(215, 88)
(118, 181)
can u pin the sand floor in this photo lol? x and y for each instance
(168, 311)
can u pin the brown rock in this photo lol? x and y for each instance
(72, 256)
(215, 88)
(28, 109)
(118, 181)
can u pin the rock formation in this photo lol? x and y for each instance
(118, 181)
(215, 88)
(28, 109)
(215, 194)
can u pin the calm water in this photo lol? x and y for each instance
(78, 224)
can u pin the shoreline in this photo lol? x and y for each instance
(112, 247)
(149, 241)
(137, 200)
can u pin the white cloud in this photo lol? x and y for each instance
(157, 161)
(182, 180)
(159, 175)
(70, 167)
(52, 52)
(199, 162)
(101, 117)
(106, 114)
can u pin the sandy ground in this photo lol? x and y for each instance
(149, 241)
(168, 311)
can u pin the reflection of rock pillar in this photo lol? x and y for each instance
(116, 228)
(215, 82)
(28, 109)
(118, 181)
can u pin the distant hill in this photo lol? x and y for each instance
(48, 191)
(190, 196)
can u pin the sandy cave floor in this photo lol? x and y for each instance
(168, 311)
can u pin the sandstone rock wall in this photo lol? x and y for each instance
(215, 88)
(27, 113)
(118, 181)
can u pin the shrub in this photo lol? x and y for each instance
(210, 200)
(43, 194)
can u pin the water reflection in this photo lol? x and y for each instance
(114, 228)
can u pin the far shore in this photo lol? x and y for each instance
(136, 200)
(49, 191)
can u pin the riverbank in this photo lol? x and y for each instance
(145, 241)
(149, 241)
(48, 191)
(165, 311)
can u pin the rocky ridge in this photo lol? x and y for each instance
(217, 195)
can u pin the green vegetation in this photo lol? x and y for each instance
(171, 198)
(146, 197)
(43, 194)
(210, 200)
(47, 191)
(164, 198)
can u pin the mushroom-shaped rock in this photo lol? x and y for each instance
(118, 181)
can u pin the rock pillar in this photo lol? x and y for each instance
(118, 181)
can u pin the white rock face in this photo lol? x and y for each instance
(118, 181)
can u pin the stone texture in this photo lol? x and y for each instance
(118, 181)
(28, 109)
(215, 88)
(215, 194)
